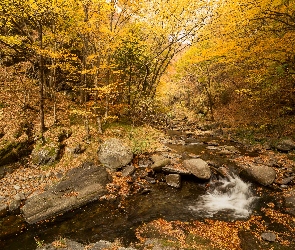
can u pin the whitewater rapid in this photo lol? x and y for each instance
(230, 195)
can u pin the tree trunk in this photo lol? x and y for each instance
(41, 82)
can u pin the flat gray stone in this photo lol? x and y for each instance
(20, 197)
(289, 199)
(287, 180)
(79, 186)
(175, 169)
(104, 245)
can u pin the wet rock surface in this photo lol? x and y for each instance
(173, 180)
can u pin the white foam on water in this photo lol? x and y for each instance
(232, 195)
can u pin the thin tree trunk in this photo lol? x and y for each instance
(41, 83)
(53, 79)
(210, 97)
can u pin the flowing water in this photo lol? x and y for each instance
(230, 195)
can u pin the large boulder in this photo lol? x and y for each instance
(260, 173)
(114, 154)
(198, 168)
(79, 186)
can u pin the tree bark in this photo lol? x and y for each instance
(41, 81)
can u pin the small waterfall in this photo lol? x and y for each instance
(229, 195)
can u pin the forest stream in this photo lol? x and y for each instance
(228, 199)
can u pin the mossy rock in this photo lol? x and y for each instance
(12, 151)
(45, 154)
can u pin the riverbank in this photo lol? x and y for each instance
(217, 152)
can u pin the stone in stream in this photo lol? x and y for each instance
(175, 169)
(260, 173)
(114, 154)
(198, 168)
(79, 186)
(285, 181)
(20, 197)
(159, 162)
(173, 180)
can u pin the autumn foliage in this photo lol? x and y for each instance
(234, 60)
(108, 56)
(242, 68)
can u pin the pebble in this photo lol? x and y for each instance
(16, 187)
(269, 236)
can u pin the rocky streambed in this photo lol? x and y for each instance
(128, 196)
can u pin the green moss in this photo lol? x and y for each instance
(169, 243)
(142, 139)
